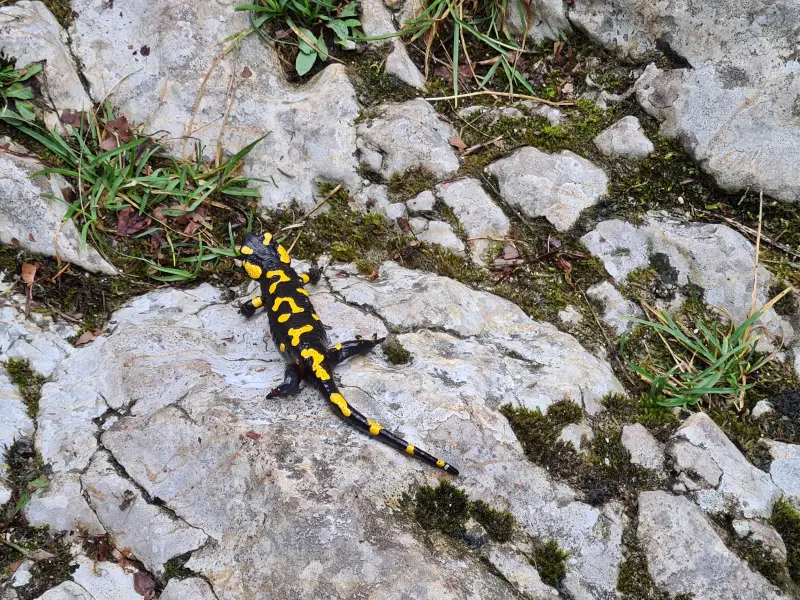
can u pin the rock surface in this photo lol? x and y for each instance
(143, 50)
(577, 434)
(193, 588)
(615, 307)
(34, 220)
(69, 590)
(728, 482)
(785, 469)
(408, 136)
(186, 376)
(30, 33)
(516, 568)
(670, 528)
(625, 139)
(480, 217)
(714, 257)
(555, 186)
(645, 450)
(21, 338)
(399, 64)
(436, 232)
(734, 109)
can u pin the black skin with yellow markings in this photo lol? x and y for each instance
(300, 336)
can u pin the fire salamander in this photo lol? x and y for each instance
(300, 336)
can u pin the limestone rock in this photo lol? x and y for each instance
(520, 573)
(570, 315)
(69, 590)
(104, 579)
(615, 307)
(761, 533)
(577, 434)
(22, 339)
(733, 109)
(125, 513)
(625, 139)
(436, 232)
(34, 220)
(728, 481)
(143, 50)
(714, 257)
(480, 217)
(399, 64)
(193, 588)
(30, 33)
(645, 450)
(422, 203)
(410, 135)
(548, 20)
(785, 469)
(188, 375)
(761, 409)
(14, 423)
(555, 186)
(62, 507)
(686, 556)
(376, 19)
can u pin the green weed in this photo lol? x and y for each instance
(13, 92)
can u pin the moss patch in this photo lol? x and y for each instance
(29, 383)
(410, 183)
(395, 353)
(372, 84)
(551, 562)
(786, 521)
(498, 524)
(641, 408)
(176, 568)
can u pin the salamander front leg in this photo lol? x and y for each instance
(248, 309)
(345, 350)
(292, 377)
(312, 277)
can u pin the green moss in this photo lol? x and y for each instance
(444, 508)
(62, 11)
(498, 524)
(538, 435)
(410, 183)
(373, 85)
(395, 353)
(551, 562)
(176, 568)
(634, 580)
(786, 306)
(641, 408)
(29, 383)
(786, 521)
(639, 284)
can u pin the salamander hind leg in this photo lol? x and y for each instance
(355, 418)
(292, 377)
(345, 350)
(248, 309)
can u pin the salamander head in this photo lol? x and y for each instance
(260, 254)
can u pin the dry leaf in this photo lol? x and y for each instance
(253, 435)
(144, 51)
(372, 276)
(29, 272)
(402, 223)
(72, 117)
(509, 252)
(563, 264)
(15, 242)
(40, 555)
(129, 222)
(109, 143)
(144, 584)
(120, 127)
(247, 73)
(457, 142)
(69, 195)
(86, 337)
(31, 238)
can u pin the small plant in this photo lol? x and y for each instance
(551, 562)
(125, 184)
(12, 90)
(307, 22)
(715, 359)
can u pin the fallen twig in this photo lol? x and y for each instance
(750, 231)
(506, 95)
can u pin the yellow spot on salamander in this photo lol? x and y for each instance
(281, 278)
(316, 366)
(284, 318)
(338, 346)
(374, 428)
(246, 250)
(315, 316)
(290, 301)
(302, 291)
(284, 255)
(305, 278)
(257, 302)
(296, 333)
(339, 401)
(440, 463)
(410, 449)
(254, 271)
(283, 347)
(267, 238)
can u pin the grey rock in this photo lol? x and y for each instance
(35, 220)
(410, 135)
(785, 469)
(423, 202)
(193, 588)
(489, 115)
(761, 409)
(763, 534)
(570, 315)
(399, 64)
(311, 130)
(615, 307)
(62, 507)
(14, 423)
(686, 556)
(22, 576)
(104, 579)
(22, 339)
(30, 33)
(376, 20)
(547, 20)
(714, 257)
(729, 482)
(125, 513)
(394, 211)
(437, 232)
(516, 568)
(308, 496)
(645, 450)
(480, 217)
(625, 139)
(553, 115)
(69, 590)
(555, 186)
(577, 434)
